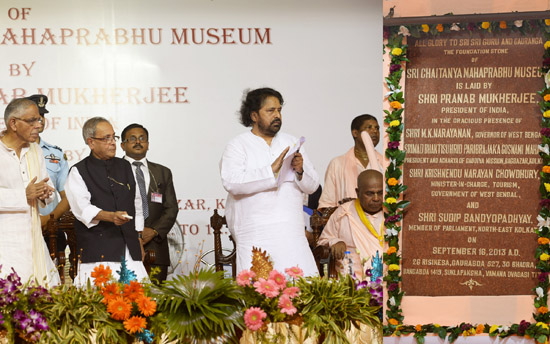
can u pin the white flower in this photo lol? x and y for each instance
(503, 328)
(392, 301)
(544, 149)
(539, 291)
(391, 232)
(455, 27)
(392, 89)
(543, 222)
(518, 23)
(547, 79)
(404, 31)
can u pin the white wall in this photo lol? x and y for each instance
(323, 56)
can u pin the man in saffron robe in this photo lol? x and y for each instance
(342, 171)
(24, 183)
(264, 203)
(357, 226)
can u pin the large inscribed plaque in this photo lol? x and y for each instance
(472, 126)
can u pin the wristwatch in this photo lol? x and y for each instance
(140, 235)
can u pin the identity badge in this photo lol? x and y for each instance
(156, 197)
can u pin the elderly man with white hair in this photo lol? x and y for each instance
(102, 193)
(24, 183)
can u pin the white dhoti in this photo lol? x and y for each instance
(22, 246)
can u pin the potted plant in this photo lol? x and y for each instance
(333, 308)
(201, 307)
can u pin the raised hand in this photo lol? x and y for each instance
(278, 163)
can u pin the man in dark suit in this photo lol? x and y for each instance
(160, 206)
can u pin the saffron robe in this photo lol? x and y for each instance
(345, 225)
(341, 178)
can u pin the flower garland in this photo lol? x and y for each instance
(542, 252)
(394, 188)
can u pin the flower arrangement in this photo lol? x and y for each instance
(18, 314)
(202, 307)
(126, 300)
(395, 42)
(375, 288)
(334, 308)
(273, 295)
(278, 307)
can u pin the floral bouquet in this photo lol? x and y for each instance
(17, 303)
(374, 286)
(268, 295)
(373, 282)
(126, 300)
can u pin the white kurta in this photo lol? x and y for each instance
(22, 246)
(259, 213)
(80, 200)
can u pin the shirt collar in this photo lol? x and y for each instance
(375, 216)
(143, 161)
(43, 143)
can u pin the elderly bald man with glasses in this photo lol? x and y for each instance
(102, 193)
(24, 184)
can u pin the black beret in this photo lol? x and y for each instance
(41, 101)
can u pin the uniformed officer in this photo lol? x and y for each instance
(58, 169)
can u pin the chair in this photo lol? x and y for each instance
(149, 260)
(322, 253)
(220, 259)
(66, 224)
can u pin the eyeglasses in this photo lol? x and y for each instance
(107, 138)
(133, 139)
(31, 121)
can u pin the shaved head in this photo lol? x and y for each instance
(370, 184)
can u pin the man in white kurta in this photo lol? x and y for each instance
(342, 171)
(24, 183)
(261, 210)
(357, 226)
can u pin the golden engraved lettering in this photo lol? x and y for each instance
(498, 218)
(458, 228)
(451, 109)
(436, 148)
(409, 271)
(455, 272)
(457, 98)
(490, 134)
(495, 273)
(507, 98)
(454, 251)
(447, 133)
